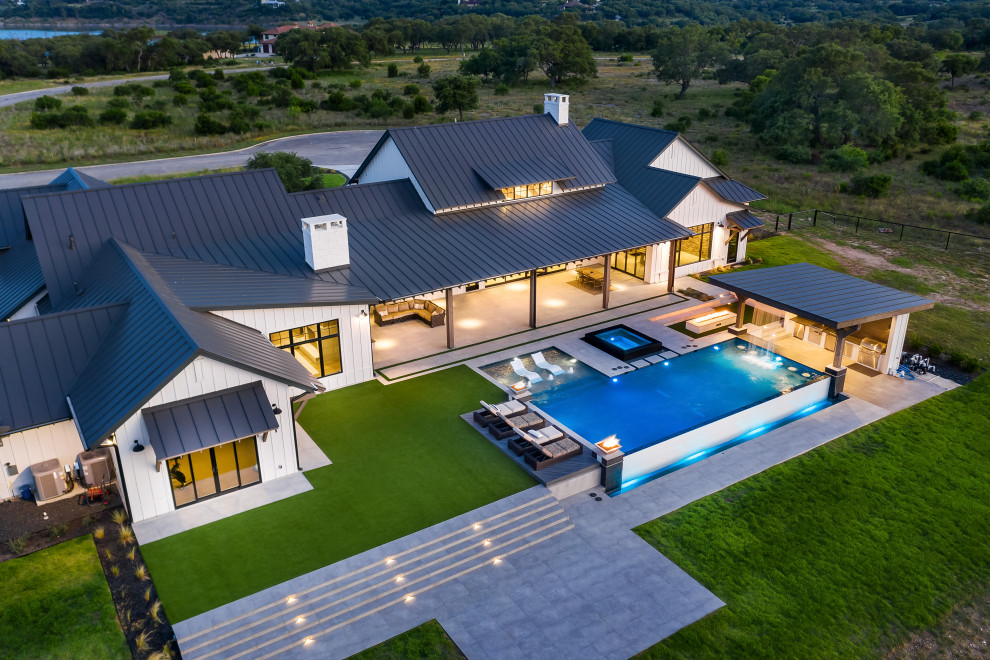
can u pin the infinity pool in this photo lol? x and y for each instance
(653, 404)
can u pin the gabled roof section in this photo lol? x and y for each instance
(733, 191)
(40, 359)
(399, 249)
(660, 190)
(155, 338)
(202, 286)
(13, 226)
(522, 172)
(74, 179)
(443, 157)
(833, 299)
(20, 277)
(633, 147)
(604, 150)
(189, 425)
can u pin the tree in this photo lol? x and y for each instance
(297, 173)
(683, 54)
(330, 48)
(959, 64)
(561, 52)
(456, 93)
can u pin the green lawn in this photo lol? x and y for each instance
(428, 640)
(844, 551)
(55, 603)
(783, 250)
(403, 459)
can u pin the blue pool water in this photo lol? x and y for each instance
(624, 339)
(664, 400)
(20, 35)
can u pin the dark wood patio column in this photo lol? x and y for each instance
(737, 329)
(671, 265)
(835, 370)
(450, 317)
(532, 298)
(606, 280)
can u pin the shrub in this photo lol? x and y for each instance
(797, 154)
(184, 87)
(337, 101)
(408, 111)
(126, 535)
(134, 90)
(423, 70)
(974, 190)
(704, 113)
(720, 158)
(625, 57)
(980, 215)
(119, 516)
(538, 109)
(870, 185)
(118, 102)
(17, 545)
(393, 70)
(410, 90)
(180, 100)
(80, 91)
(113, 116)
(77, 115)
(45, 120)
(176, 74)
(418, 59)
(935, 349)
(150, 119)
(845, 159)
(218, 74)
(682, 124)
(296, 81)
(207, 124)
(57, 530)
(46, 103)
(355, 84)
(421, 104)
(501, 89)
(657, 110)
(378, 109)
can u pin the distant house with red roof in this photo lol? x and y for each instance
(266, 45)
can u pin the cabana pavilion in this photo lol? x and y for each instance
(851, 317)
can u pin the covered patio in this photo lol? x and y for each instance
(818, 311)
(509, 305)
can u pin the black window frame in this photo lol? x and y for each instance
(702, 230)
(318, 340)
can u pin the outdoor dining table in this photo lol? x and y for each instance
(593, 276)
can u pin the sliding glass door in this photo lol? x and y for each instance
(213, 471)
(632, 262)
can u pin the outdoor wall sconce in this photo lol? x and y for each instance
(364, 313)
(276, 409)
(137, 446)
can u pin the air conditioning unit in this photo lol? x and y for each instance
(49, 479)
(94, 467)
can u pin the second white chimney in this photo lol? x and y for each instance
(325, 242)
(556, 105)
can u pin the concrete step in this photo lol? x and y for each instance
(279, 625)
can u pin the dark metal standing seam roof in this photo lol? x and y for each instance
(41, 357)
(633, 147)
(820, 294)
(522, 172)
(442, 157)
(206, 421)
(74, 179)
(413, 251)
(153, 340)
(659, 190)
(744, 219)
(604, 149)
(732, 190)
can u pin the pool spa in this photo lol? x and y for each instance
(684, 408)
(623, 342)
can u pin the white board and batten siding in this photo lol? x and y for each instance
(149, 490)
(355, 334)
(59, 440)
(700, 207)
(388, 164)
(679, 157)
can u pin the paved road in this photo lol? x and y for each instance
(341, 150)
(20, 97)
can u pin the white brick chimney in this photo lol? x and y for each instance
(325, 242)
(556, 105)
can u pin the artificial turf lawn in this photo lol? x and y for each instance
(843, 551)
(428, 640)
(403, 460)
(55, 603)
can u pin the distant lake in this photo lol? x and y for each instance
(39, 34)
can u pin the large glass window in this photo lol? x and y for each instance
(631, 261)
(698, 247)
(213, 471)
(532, 190)
(317, 347)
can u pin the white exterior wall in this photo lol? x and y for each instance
(389, 165)
(30, 309)
(59, 440)
(895, 344)
(355, 334)
(700, 207)
(679, 157)
(149, 491)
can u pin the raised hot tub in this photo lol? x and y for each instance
(623, 342)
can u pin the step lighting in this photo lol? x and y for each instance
(399, 578)
(477, 525)
(307, 641)
(290, 600)
(497, 560)
(487, 542)
(409, 597)
(389, 560)
(300, 619)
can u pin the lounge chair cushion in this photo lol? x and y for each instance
(544, 436)
(554, 449)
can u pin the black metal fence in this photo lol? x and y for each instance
(881, 229)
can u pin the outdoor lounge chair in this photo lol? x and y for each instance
(542, 436)
(542, 363)
(522, 371)
(507, 426)
(490, 413)
(552, 453)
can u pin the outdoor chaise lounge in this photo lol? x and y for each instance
(542, 363)
(490, 413)
(522, 371)
(552, 453)
(505, 427)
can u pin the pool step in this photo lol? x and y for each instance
(286, 622)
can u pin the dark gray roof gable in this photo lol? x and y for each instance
(13, 226)
(833, 299)
(733, 191)
(189, 425)
(20, 276)
(40, 359)
(744, 219)
(443, 157)
(74, 179)
(633, 146)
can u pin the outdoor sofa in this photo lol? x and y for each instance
(425, 310)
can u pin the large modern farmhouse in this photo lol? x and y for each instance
(175, 323)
